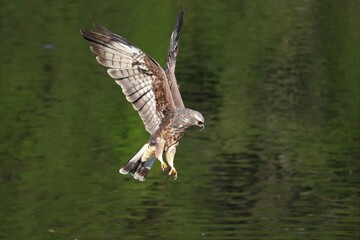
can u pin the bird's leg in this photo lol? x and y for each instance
(170, 154)
(149, 153)
(160, 144)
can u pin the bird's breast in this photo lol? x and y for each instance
(171, 136)
(170, 130)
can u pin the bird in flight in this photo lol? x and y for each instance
(153, 93)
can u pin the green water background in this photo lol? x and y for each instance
(278, 84)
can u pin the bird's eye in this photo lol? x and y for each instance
(200, 123)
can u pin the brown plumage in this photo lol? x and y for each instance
(153, 92)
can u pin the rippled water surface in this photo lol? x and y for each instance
(278, 84)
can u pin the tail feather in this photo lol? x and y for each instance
(130, 165)
(138, 169)
(142, 169)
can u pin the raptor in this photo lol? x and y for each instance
(153, 92)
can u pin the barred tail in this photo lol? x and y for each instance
(138, 169)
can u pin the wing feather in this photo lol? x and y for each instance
(118, 73)
(141, 78)
(122, 63)
(138, 94)
(141, 101)
(136, 88)
(171, 61)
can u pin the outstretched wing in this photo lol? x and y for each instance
(141, 78)
(171, 61)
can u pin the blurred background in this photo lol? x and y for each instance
(278, 84)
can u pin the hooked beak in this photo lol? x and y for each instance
(202, 127)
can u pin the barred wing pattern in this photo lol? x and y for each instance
(140, 77)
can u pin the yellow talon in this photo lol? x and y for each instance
(173, 172)
(163, 166)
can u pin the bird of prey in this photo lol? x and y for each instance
(153, 93)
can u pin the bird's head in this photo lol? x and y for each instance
(197, 119)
